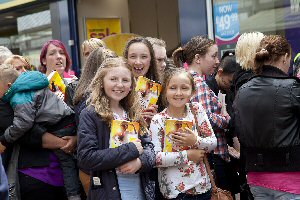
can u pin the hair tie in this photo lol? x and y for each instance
(263, 49)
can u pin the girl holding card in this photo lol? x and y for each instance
(141, 59)
(182, 174)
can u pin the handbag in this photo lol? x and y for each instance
(217, 193)
(85, 181)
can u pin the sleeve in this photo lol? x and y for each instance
(33, 138)
(148, 156)
(24, 115)
(295, 92)
(206, 138)
(164, 159)
(91, 155)
(210, 103)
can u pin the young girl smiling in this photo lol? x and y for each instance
(182, 174)
(117, 173)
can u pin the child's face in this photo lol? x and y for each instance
(139, 58)
(179, 90)
(117, 83)
(3, 88)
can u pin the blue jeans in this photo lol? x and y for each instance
(204, 196)
(262, 193)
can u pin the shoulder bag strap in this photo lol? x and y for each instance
(205, 156)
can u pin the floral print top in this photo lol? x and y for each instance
(176, 174)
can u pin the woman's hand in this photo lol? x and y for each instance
(195, 155)
(233, 152)
(138, 145)
(130, 167)
(184, 137)
(71, 144)
(148, 113)
(2, 148)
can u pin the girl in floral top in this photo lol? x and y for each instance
(182, 174)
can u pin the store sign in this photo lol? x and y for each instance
(100, 28)
(226, 22)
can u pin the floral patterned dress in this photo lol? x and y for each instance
(176, 174)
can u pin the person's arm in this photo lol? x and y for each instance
(148, 156)
(23, 121)
(91, 154)
(210, 103)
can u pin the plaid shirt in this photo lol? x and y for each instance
(210, 103)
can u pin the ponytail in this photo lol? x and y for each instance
(179, 57)
(261, 57)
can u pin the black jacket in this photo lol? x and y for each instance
(267, 110)
(94, 154)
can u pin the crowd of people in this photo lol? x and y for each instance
(242, 110)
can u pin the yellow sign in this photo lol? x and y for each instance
(100, 28)
(4, 4)
(117, 42)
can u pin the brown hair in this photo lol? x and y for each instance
(100, 101)
(90, 68)
(197, 45)
(271, 48)
(152, 72)
(171, 71)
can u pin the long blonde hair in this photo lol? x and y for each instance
(100, 101)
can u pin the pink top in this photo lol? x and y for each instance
(281, 181)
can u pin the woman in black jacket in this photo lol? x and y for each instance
(267, 110)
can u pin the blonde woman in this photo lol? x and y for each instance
(20, 63)
(90, 45)
(245, 52)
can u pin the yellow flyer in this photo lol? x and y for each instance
(56, 82)
(173, 125)
(122, 132)
(149, 90)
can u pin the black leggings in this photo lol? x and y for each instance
(33, 189)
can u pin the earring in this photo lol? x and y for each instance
(284, 62)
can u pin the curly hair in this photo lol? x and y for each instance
(246, 48)
(271, 49)
(100, 101)
(152, 72)
(90, 68)
(197, 45)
